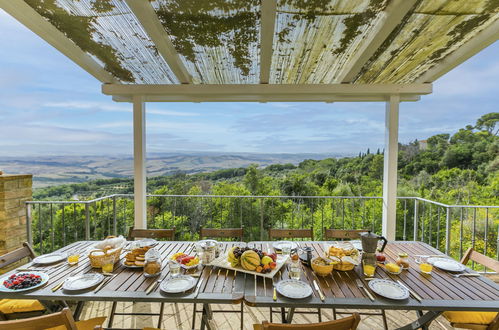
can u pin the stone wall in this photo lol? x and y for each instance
(15, 190)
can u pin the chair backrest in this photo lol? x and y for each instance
(481, 259)
(343, 233)
(346, 323)
(25, 252)
(63, 317)
(290, 233)
(236, 233)
(151, 233)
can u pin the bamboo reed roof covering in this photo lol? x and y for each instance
(263, 41)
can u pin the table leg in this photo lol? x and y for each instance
(291, 312)
(423, 321)
(283, 315)
(206, 317)
(78, 310)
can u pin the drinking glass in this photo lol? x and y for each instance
(295, 271)
(108, 263)
(368, 267)
(73, 258)
(174, 268)
(425, 267)
(285, 250)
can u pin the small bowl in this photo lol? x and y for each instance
(394, 273)
(322, 270)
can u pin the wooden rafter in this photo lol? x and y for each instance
(392, 16)
(144, 12)
(268, 16)
(39, 25)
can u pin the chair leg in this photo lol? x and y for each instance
(111, 315)
(385, 322)
(161, 310)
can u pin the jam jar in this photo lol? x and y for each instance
(403, 260)
(152, 263)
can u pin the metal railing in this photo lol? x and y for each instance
(449, 228)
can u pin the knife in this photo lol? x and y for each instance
(198, 286)
(57, 287)
(361, 285)
(414, 294)
(320, 292)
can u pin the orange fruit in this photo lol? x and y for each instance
(259, 269)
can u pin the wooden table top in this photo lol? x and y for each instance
(218, 286)
(440, 291)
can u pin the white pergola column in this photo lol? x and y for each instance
(139, 162)
(390, 167)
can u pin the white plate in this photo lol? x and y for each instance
(48, 259)
(125, 265)
(178, 284)
(146, 242)
(278, 245)
(82, 282)
(44, 276)
(294, 289)
(389, 289)
(189, 267)
(446, 264)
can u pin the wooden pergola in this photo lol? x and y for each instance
(264, 51)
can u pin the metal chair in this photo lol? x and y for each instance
(330, 233)
(347, 323)
(465, 320)
(62, 318)
(144, 233)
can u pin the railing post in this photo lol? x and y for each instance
(447, 231)
(415, 229)
(28, 224)
(115, 225)
(261, 219)
(87, 222)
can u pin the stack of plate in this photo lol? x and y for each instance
(446, 264)
(178, 284)
(294, 289)
(82, 282)
(389, 289)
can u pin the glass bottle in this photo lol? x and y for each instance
(152, 263)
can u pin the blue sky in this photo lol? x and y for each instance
(49, 106)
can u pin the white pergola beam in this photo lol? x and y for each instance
(474, 45)
(390, 168)
(391, 17)
(139, 162)
(268, 15)
(27, 16)
(267, 93)
(146, 15)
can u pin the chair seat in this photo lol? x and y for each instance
(89, 324)
(483, 318)
(9, 306)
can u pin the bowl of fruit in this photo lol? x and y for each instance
(186, 261)
(23, 281)
(252, 259)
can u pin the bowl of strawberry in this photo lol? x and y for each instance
(23, 281)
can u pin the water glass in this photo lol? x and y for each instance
(285, 250)
(295, 271)
(174, 268)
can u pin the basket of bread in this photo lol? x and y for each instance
(99, 252)
(345, 255)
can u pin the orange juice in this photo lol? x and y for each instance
(73, 259)
(426, 268)
(107, 268)
(369, 270)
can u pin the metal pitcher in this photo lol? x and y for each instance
(370, 242)
(208, 250)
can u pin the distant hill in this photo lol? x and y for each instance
(56, 170)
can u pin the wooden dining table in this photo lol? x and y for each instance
(439, 291)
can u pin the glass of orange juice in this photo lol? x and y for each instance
(73, 258)
(369, 267)
(108, 263)
(425, 267)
